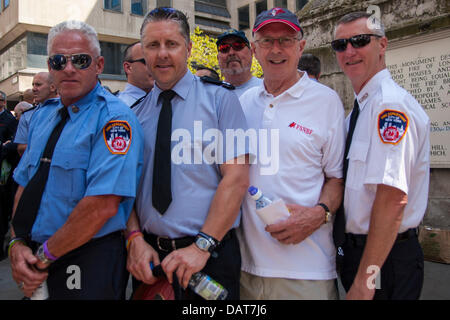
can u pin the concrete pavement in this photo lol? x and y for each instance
(436, 283)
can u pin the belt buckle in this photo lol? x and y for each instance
(159, 244)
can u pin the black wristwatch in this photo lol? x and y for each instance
(205, 242)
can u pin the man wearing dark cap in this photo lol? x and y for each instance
(235, 60)
(295, 257)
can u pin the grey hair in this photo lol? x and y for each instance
(373, 23)
(73, 25)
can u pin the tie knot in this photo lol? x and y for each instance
(167, 95)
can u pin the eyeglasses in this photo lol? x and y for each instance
(79, 60)
(226, 47)
(285, 42)
(358, 41)
(137, 60)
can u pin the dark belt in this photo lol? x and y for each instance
(166, 244)
(359, 240)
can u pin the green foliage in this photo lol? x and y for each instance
(204, 52)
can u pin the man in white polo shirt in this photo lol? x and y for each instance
(294, 258)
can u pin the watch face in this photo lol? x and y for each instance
(202, 243)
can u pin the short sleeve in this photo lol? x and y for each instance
(116, 159)
(389, 160)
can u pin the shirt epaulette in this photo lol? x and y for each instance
(224, 84)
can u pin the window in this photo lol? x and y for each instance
(261, 6)
(301, 4)
(36, 50)
(221, 3)
(212, 23)
(113, 54)
(244, 17)
(115, 5)
(280, 3)
(138, 7)
(217, 10)
(164, 3)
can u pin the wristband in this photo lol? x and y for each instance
(132, 237)
(47, 252)
(13, 242)
(131, 233)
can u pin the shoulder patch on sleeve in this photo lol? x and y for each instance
(117, 135)
(392, 126)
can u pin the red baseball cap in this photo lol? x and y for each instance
(277, 15)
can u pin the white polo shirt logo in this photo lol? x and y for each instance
(300, 128)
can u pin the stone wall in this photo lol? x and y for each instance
(403, 19)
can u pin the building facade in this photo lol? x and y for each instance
(26, 23)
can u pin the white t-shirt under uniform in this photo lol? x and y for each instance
(310, 120)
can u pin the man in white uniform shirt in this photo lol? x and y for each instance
(294, 258)
(139, 80)
(386, 186)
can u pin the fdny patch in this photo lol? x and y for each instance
(392, 126)
(117, 135)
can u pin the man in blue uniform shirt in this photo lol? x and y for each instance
(92, 181)
(187, 220)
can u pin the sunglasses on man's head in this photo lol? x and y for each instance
(358, 41)
(78, 60)
(237, 46)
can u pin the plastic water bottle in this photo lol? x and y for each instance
(200, 283)
(41, 293)
(261, 200)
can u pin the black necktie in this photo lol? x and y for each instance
(30, 200)
(339, 220)
(161, 189)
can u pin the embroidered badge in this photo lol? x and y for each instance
(117, 135)
(392, 126)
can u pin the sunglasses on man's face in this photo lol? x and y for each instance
(137, 60)
(358, 41)
(79, 60)
(226, 47)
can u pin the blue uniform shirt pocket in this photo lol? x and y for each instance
(68, 174)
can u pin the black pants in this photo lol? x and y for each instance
(225, 268)
(401, 274)
(98, 267)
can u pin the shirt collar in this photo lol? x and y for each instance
(371, 87)
(82, 104)
(295, 91)
(181, 88)
(133, 89)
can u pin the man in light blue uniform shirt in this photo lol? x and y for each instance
(92, 181)
(43, 89)
(196, 230)
(139, 80)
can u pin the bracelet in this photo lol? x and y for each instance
(132, 232)
(13, 242)
(47, 252)
(132, 237)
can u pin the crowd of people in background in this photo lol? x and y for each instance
(89, 177)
